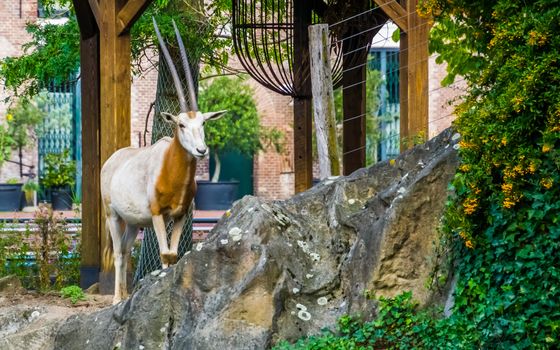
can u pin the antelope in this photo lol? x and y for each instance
(143, 187)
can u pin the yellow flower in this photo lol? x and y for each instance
(546, 148)
(9, 117)
(392, 162)
(504, 141)
(508, 203)
(547, 183)
(464, 167)
(469, 244)
(507, 187)
(470, 205)
(532, 168)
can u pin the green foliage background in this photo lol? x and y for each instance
(503, 223)
(52, 55)
(239, 129)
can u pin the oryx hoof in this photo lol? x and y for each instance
(168, 258)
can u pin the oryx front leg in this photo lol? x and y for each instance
(161, 234)
(175, 238)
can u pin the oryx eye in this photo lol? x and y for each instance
(182, 126)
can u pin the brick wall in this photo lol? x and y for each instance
(273, 173)
(442, 99)
(13, 17)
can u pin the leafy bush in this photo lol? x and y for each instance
(60, 170)
(44, 255)
(240, 128)
(74, 293)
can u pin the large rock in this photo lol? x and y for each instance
(281, 270)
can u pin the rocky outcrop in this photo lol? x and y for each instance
(281, 270)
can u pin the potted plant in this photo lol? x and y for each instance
(239, 130)
(58, 178)
(16, 133)
(30, 189)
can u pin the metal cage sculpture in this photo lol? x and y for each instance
(263, 38)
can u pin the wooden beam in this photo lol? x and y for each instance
(418, 85)
(395, 11)
(91, 197)
(403, 90)
(95, 9)
(90, 95)
(323, 101)
(303, 157)
(130, 12)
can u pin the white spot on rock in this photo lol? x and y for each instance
(293, 312)
(295, 290)
(322, 301)
(304, 315)
(155, 273)
(224, 241)
(309, 275)
(162, 329)
(35, 314)
(265, 207)
(456, 136)
(328, 182)
(162, 274)
(87, 341)
(456, 146)
(235, 231)
(236, 238)
(351, 201)
(315, 256)
(118, 345)
(199, 246)
(140, 347)
(301, 307)
(250, 209)
(401, 190)
(289, 244)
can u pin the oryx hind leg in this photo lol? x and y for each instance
(115, 225)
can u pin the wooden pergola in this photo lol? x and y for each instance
(106, 82)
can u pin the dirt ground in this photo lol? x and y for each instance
(92, 303)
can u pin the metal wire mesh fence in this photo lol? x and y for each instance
(166, 101)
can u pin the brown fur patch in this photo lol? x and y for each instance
(175, 185)
(191, 114)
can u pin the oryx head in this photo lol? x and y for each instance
(189, 122)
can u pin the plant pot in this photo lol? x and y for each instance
(215, 195)
(10, 197)
(61, 198)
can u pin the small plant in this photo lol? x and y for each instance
(29, 188)
(12, 181)
(74, 293)
(60, 170)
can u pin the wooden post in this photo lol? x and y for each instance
(89, 57)
(303, 160)
(106, 80)
(413, 61)
(418, 84)
(323, 101)
(354, 109)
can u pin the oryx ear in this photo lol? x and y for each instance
(213, 115)
(168, 117)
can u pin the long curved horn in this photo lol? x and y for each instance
(172, 69)
(187, 68)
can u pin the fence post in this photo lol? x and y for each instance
(323, 100)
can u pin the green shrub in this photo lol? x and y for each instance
(74, 293)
